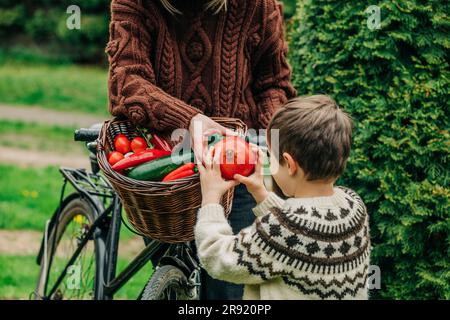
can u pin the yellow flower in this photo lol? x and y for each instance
(78, 219)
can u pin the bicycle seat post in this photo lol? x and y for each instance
(92, 147)
(90, 136)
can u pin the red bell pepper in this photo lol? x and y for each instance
(160, 143)
(182, 174)
(186, 167)
(139, 158)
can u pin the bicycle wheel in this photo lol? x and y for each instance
(167, 283)
(75, 220)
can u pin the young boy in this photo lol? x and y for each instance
(315, 244)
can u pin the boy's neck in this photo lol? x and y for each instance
(310, 189)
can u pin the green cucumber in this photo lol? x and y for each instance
(157, 169)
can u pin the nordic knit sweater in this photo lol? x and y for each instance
(301, 248)
(165, 69)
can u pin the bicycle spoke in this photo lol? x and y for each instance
(69, 241)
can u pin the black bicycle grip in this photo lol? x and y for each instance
(87, 135)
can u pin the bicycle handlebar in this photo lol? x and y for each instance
(87, 135)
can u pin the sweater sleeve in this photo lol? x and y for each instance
(222, 254)
(272, 86)
(133, 93)
(271, 201)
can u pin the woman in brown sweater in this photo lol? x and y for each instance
(175, 63)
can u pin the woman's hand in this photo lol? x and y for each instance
(200, 128)
(255, 182)
(212, 184)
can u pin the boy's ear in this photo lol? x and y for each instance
(291, 163)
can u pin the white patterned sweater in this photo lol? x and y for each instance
(299, 248)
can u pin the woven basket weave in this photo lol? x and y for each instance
(165, 211)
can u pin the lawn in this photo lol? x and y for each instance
(29, 197)
(19, 285)
(60, 87)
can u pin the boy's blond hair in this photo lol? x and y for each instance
(316, 133)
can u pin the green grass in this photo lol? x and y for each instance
(61, 87)
(19, 275)
(31, 53)
(21, 135)
(29, 196)
(134, 287)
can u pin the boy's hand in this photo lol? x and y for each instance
(255, 182)
(212, 184)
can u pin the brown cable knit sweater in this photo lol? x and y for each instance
(165, 69)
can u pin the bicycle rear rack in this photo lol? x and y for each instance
(87, 183)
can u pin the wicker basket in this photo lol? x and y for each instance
(165, 211)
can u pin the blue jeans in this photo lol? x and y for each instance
(241, 216)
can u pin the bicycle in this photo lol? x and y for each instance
(78, 253)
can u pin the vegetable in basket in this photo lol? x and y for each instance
(181, 175)
(115, 157)
(122, 144)
(138, 144)
(153, 140)
(160, 143)
(138, 151)
(185, 170)
(157, 169)
(139, 158)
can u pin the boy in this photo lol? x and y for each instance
(315, 244)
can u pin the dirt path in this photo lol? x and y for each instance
(47, 116)
(19, 242)
(35, 158)
(27, 242)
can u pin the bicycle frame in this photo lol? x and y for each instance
(108, 222)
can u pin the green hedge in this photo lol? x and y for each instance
(395, 83)
(38, 28)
